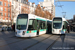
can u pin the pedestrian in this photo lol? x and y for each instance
(68, 28)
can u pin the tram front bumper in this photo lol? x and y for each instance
(19, 35)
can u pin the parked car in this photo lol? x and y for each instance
(4, 28)
(9, 29)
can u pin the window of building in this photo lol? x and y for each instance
(32, 6)
(8, 10)
(8, 15)
(5, 18)
(8, 5)
(5, 14)
(5, 4)
(12, 2)
(5, 9)
(1, 3)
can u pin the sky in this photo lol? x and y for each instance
(68, 7)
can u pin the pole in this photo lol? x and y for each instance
(64, 14)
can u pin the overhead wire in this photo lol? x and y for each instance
(57, 6)
(61, 6)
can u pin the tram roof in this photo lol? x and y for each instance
(32, 16)
(61, 17)
(49, 20)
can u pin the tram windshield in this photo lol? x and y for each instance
(22, 21)
(57, 23)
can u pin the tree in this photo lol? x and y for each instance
(45, 14)
(48, 15)
(39, 11)
(14, 13)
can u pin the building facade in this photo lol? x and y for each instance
(49, 6)
(9, 9)
(20, 6)
(32, 7)
(5, 11)
(25, 9)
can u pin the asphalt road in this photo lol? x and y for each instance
(8, 41)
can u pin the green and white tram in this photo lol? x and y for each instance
(59, 25)
(29, 25)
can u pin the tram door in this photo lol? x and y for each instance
(38, 24)
(49, 28)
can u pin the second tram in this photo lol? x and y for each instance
(59, 25)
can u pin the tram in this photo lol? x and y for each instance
(59, 25)
(29, 25)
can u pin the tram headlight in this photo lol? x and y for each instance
(24, 32)
(59, 30)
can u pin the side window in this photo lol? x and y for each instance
(42, 25)
(35, 24)
(65, 25)
(32, 24)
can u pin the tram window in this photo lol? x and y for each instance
(65, 24)
(32, 24)
(42, 25)
(35, 24)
